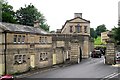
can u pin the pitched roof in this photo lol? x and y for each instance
(20, 28)
(74, 19)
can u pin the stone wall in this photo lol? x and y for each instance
(59, 55)
(10, 59)
(75, 53)
(70, 46)
(110, 53)
(26, 49)
(62, 45)
(1, 54)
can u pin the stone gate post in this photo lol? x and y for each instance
(110, 51)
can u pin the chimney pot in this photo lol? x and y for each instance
(36, 23)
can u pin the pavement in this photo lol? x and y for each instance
(116, 65)
(93, 67)
(41, 70)
(54, 67)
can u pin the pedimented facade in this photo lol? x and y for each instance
(74, 39)
(76, 25)
(25, 47)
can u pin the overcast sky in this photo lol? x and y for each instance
(58, 11)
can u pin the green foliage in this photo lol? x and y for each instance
(100, 29)
(93, 33)
(116, 34)
(24, 16)
(8, 15)
(45, 27)
(52, 31)
(97, 41)
(29, 14)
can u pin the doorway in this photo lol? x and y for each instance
(32, 61)
(54, 59)
(80, 54)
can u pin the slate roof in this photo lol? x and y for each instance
(21, 28)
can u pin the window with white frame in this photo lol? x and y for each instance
(43, 39)
(43, 56)
(40, 39)
(15, 39)
(23, 39)
(19, 38)
(19, 59)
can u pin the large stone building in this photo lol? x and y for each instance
(74, 38)
(24, 47)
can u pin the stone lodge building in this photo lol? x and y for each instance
(24, 47)
(104, 36)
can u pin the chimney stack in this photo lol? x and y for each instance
(36, 24)
(58, 31)
(78, 15)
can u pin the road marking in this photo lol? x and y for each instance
(114, 75)
(110, 76)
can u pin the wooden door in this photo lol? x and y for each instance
(54, 59)
(32, 61)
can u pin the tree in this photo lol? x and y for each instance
(29, 14)
(8, 14)
(100, 29)
(116, 34)
(45, 27)
(93, 33)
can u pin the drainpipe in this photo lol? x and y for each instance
(5, 50)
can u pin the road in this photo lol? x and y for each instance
(89, 68)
